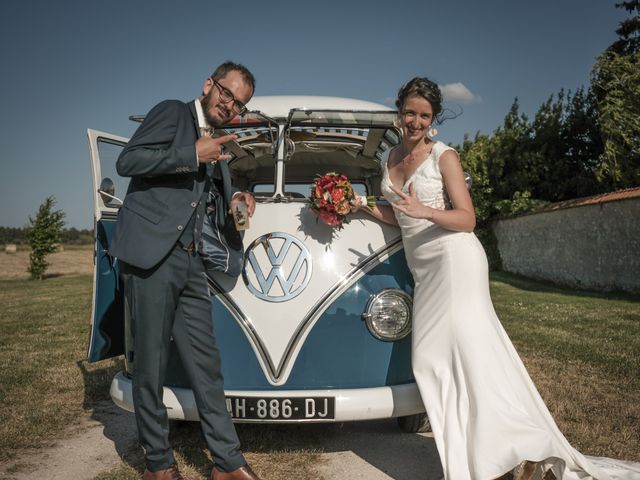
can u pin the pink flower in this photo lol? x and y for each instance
(331, 198)
(328, 218)
(337, 194)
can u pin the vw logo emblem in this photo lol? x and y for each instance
(277, 267)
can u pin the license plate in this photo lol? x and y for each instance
(281, 408)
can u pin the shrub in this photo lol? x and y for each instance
(43, 236)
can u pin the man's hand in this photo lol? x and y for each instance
(209, 149)
(245, 197)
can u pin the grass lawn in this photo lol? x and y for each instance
(581, 351)
(45, 383)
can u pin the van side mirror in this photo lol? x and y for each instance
(107, 191)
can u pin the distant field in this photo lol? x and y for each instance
(73, 260)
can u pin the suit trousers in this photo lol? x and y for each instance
(172, 300)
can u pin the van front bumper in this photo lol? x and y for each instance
(350, 404)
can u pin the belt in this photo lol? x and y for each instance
(191, 247)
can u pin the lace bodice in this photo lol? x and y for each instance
(427, 183)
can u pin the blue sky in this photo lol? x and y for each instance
(71, 65)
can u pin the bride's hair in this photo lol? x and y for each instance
(425, 88)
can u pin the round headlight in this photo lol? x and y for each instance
(388, 315)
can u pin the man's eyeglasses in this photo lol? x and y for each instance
(226, 96)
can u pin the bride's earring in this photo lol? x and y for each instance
(431, 132)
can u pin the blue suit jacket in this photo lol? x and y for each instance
(167, 185)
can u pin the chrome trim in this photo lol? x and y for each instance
(275, 373)
(244, 322)
(105, 215)
(321, 305)
(287, 282)
(367, 315)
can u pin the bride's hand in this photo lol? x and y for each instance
(357, 203)
(410, 204)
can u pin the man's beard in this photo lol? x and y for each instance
(207, 102)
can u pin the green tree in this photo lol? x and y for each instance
(476, 157)
(582, 148)
(566, 141)
(504, 167)
(615, 81)
(43, 235)
(73, 236)
(12, 235)
(514, 163)
(547, 152)
(628, 30)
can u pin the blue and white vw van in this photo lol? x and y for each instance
(317, 328)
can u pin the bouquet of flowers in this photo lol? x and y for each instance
(332, 199)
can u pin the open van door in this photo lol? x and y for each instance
(109, 189)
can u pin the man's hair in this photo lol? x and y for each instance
(230, 66)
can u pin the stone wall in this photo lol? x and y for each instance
(592, 246)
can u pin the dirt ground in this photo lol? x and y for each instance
(353, 451)
(372, 450)
(69, 261)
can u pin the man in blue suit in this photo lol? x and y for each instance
(170, 160)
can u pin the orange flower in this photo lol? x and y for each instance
(331, 197)
(337, 195)
(343, 207)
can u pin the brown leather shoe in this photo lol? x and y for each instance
(170, 473)
(242, 473)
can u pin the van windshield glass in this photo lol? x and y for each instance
(299, 190)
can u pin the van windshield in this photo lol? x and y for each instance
(299, 190)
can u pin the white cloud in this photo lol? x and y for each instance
(457, 92)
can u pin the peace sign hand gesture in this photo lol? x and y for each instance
(210, 149)
(410, 204)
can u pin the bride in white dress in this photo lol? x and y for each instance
(487, 417)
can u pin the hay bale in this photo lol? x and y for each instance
(11, 248)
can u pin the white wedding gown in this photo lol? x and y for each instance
(485, 412)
